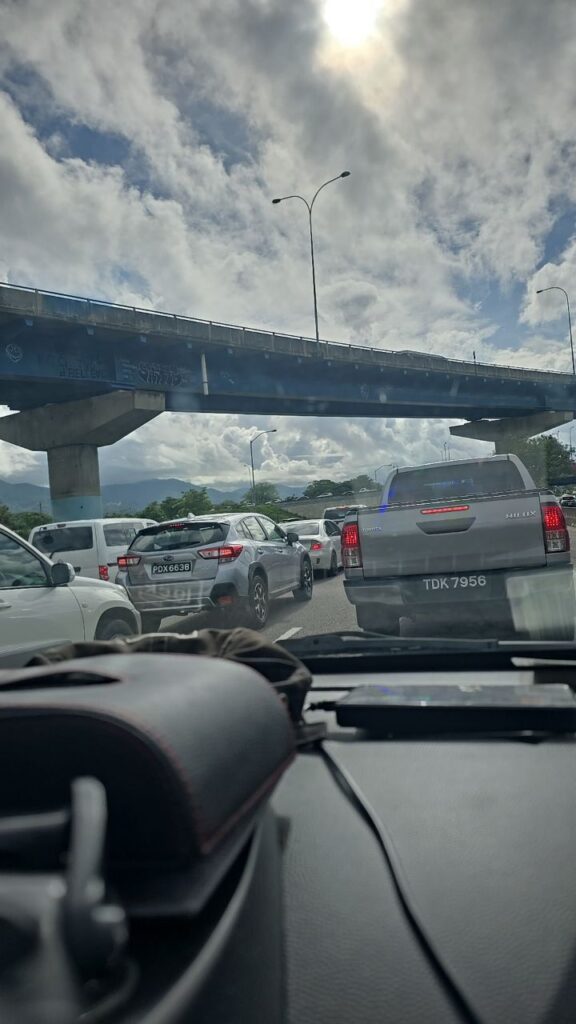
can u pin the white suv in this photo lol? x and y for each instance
(44, 601)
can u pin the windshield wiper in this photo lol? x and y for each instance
(360, 641)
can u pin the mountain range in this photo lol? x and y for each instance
(125, 497)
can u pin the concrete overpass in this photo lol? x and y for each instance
(84, 373)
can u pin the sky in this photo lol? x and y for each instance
(141, 145)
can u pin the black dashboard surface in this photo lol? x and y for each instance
(483, 836)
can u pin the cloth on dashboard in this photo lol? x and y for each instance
(286, 673)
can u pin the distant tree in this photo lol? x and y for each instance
(24, 522)
(196, 502)
(358, 482)
(6, 517)
(274, 512)
(545, 458)
(263, 493)
(319, 487)
(153, 511)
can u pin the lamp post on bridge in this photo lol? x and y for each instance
(255, 438)
(309, 206)
(557, 288)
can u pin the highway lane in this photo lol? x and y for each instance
(327, 611)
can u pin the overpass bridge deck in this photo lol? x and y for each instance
(70, 311)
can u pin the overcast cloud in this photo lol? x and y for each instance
(142, 143)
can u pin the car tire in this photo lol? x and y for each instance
(114, 629)
(258, 604)
(333, 570)
(377, 620)
(305, 590)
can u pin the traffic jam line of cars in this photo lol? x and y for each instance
(500, 555)
(108, 578)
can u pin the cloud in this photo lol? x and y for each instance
(142, 144)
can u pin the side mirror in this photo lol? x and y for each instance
(61, 573)
(292, 538)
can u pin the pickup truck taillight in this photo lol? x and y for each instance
(351, 553)
(227, 553)
(556, 536)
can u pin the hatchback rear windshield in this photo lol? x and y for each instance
(175, 536)
(454, 480)
(67, 538)
(306, 528)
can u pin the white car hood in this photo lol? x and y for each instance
(87, 581)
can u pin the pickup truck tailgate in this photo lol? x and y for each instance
(498, 532)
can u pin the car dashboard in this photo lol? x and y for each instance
(412, 879)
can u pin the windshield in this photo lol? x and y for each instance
(70, 538)
(339, 513)
(308, 265)
(454, 480)
(120, 534)
(174, 536)
(307, 528)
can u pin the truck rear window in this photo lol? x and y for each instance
(454, 480)
(119, 534)
(174, 536)
(67, 538)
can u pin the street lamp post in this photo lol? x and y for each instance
(376, 471)
(255, 438)
(557, 288)
(309, 207)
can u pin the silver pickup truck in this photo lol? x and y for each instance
(455, 546)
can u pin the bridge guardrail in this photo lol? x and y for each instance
(58, 305)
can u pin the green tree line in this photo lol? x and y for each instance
(546, 458)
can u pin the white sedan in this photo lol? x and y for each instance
(321, 537)
(43, 601)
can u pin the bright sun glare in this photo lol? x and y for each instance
(351, 22)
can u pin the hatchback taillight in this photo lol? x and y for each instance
(316, 546)
(127, 561)
(556, 536)
(351, 551)
(224, 553)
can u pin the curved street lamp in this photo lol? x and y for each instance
(255, 438)
(309, 206)
(557, 288)
(376, 471)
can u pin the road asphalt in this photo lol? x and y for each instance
(327, 611)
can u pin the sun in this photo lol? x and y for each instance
(351, 22)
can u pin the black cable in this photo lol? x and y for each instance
(444, 972)
(322, 705)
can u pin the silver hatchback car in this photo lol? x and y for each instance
(234, 563)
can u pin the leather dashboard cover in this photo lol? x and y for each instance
(188, 749)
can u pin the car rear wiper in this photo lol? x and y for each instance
(360, 641)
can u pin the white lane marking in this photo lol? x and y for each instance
(288, 634)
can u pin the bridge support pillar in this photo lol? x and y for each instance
(74, 476)
(71, 433)
(503, 432)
